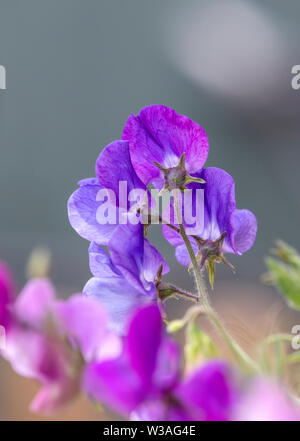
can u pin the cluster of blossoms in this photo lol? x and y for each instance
(112, 342)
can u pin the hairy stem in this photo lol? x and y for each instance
(239, 353)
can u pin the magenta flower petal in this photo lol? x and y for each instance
(7, 294)
(123, 383)
(208, 394)
(160, 134)
(168, 366)
(143, 341)
(114, 384)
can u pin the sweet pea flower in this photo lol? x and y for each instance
(50, 340)
(159, 139)
(266, 400)
(145, 381)
(225, 229)
(127, 277)
(102, 203)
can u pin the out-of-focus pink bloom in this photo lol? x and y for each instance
(146, 383)
(7, 292)
(266, 401)
(50, 340)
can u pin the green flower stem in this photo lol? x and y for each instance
(241, 356)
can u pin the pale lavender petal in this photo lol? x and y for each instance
(152, 261)
(82, 211)
(172, 236)
(101, 264)
(160, 134)
(118, 297)
(182, 255)
(245, 228)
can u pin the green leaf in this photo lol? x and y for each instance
(287, 254)
(287, 279)
(199, 346)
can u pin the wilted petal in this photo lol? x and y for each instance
(160, 134)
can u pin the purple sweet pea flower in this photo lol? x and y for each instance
(100, 204)
(50, 340)
(125, 279)
(225, 229)
(159, 134)
(145, 380)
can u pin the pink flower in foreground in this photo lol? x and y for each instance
(50, 340)
(266, 401)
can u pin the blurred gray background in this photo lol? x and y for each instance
(77, 69)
